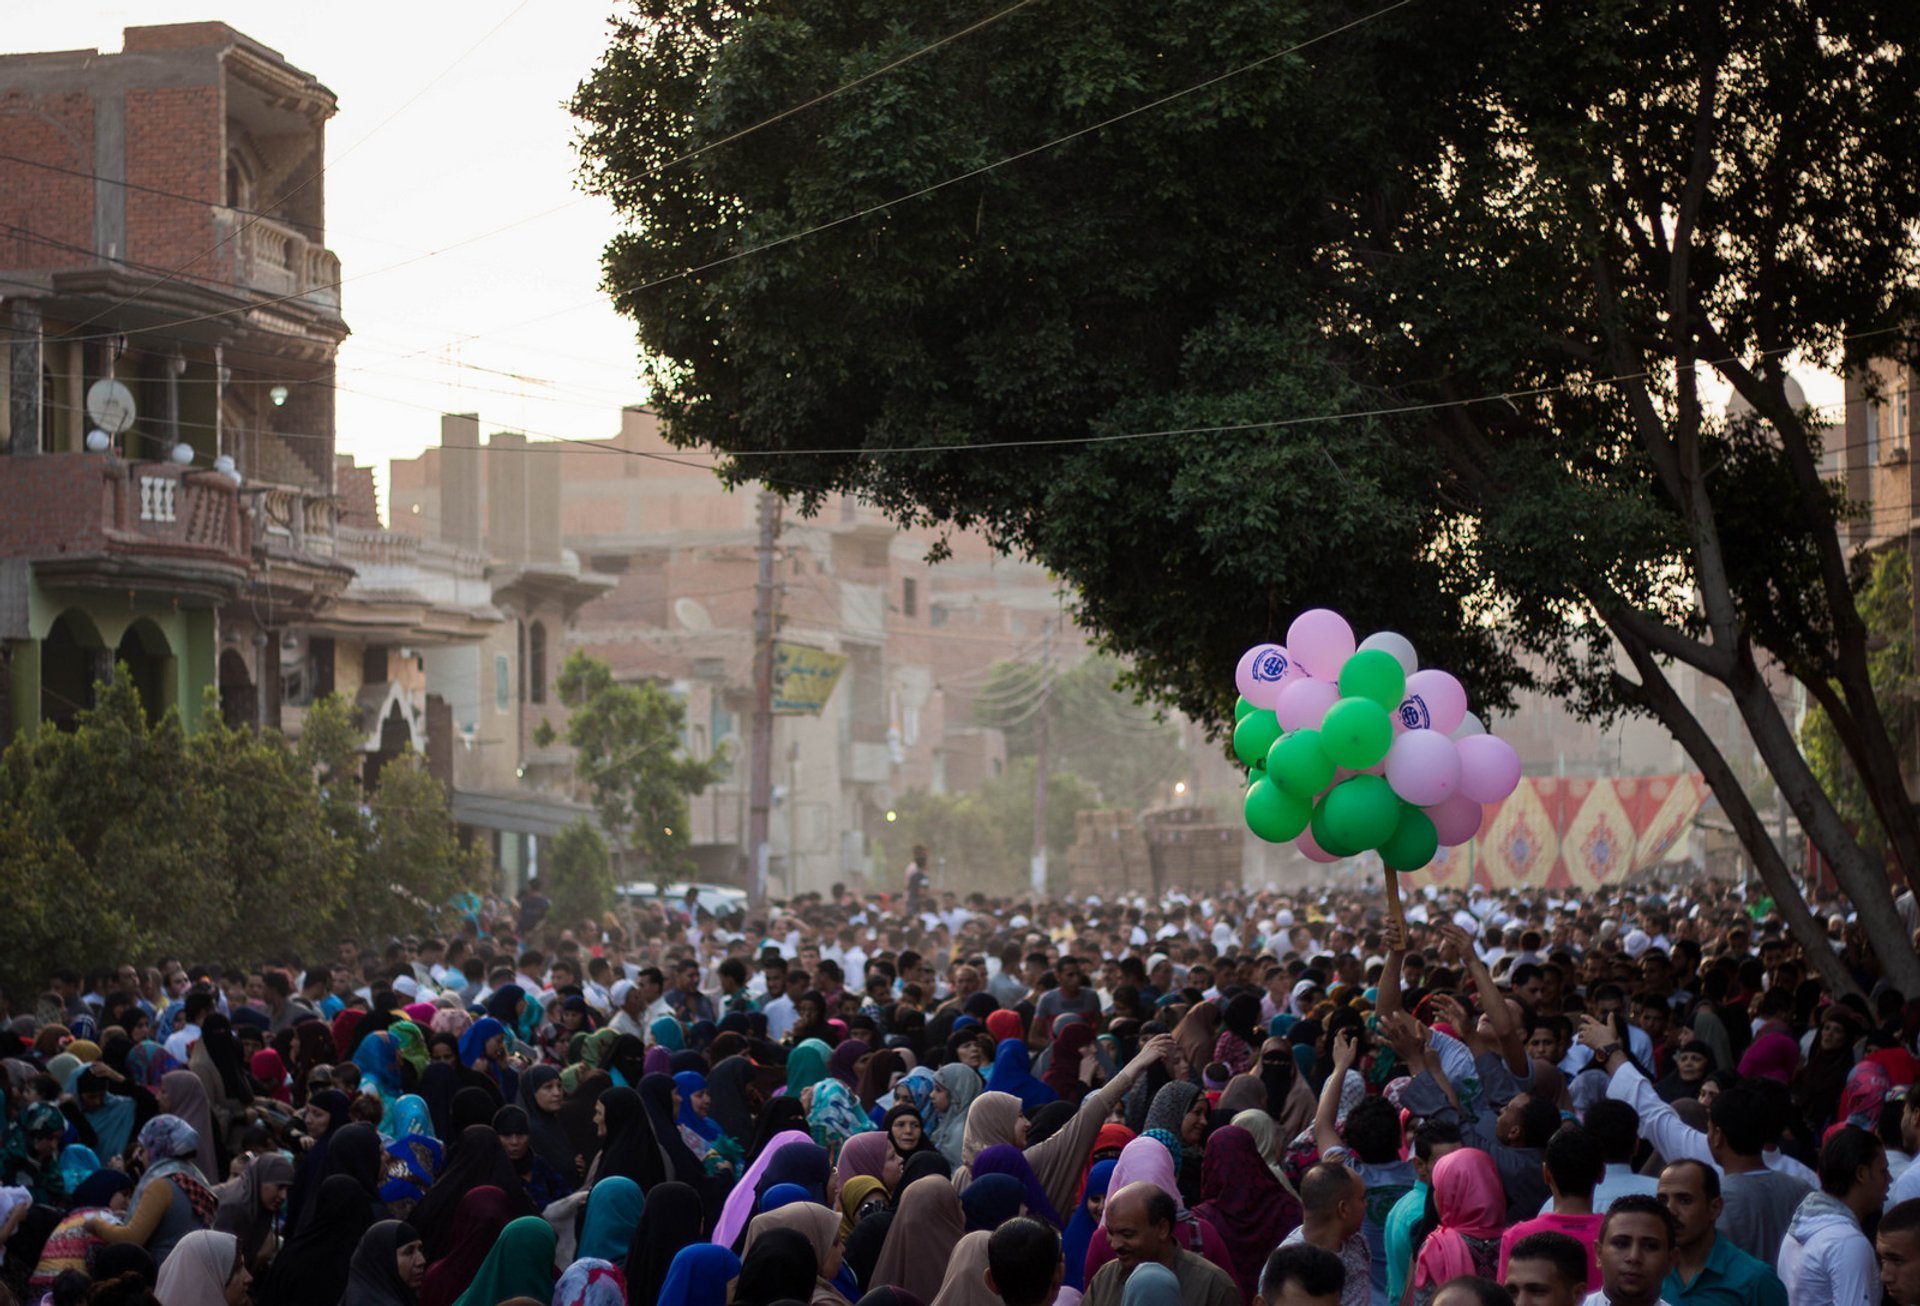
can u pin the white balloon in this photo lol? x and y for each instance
(1399, 645)
(1469, 725)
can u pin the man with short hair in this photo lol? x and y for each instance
(1024, 1266)
(1548, 1269)
(1572, 1167)
(1826, 1258)
(1636, 1249)
(1068, 995)
(1300, 1274)
(1906, 1185)
(1139, 1220)
(1898, 1243)
(1333, 1202)
(1708, 1270)
(1370, 1144)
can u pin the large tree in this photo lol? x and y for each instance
(1414, 312)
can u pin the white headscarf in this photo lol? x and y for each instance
(197, 1270)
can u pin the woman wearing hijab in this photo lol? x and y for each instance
(1011, 1161)
(386, 1266)
(542, 1097)
(1071, 1042)
(249, 1204)
(484, 1048)
(905, 1133)
(835, 1115)
(354, 1151)
(1196, 1036)
(782, 1115)
(859, 1197)
(1151, 1284)
(1081, 1224)
(670, 1222)
(70, 1246)
(863, 1155)
(477, 1221)
(960, 1085)
(739, 1207)
(807, 1065)
(821, 1228)
(878, 1077)
(205, 1270)
(1239, 1034)
(185, 1096)
(476, 1160)
(698, 1276)
(543, 1183)
(927, 1221)
(172, 1198)
(729, 1104)
(991, 1200)
(1818, 1086)
(614, 1208)
(628, 1145)
(848, 1059)
(414, 1156)
(217, 1063)
(590, 1281)
(1012, 1075)
(520, 1264)
(1472, 1210)
(1147, 1160)
(311, 1270)
(780, 1266)
(1242, 1200)
(1168, 1118)
(662, 1100)
(1692, 1063)
(698, 1129)
(965, 1282)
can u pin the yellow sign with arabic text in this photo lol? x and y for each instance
(803, 678)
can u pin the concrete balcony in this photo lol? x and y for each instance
(94, 521)
(277, 259)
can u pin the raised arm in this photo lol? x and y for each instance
(1506, 1031)
(1346, 1047)
(1387, 993)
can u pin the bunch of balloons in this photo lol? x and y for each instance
(1353, 747)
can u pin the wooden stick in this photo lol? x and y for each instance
(1395, 912)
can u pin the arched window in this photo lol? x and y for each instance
(537, 661)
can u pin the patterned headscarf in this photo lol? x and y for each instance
(836, 1115)
(591, 1281)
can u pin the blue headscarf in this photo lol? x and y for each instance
(112, 1120)
(920, 1083)
(1013, 1073)
(991, 1200)
(699, 1276)
(1079, 1234)
(783, 1195)
(378, 1057)
(410, 1118)
(836, 1115)
(77, 1163)
(1006, 1159)
(667, 1033)
(690, 1082)
(473, 1046)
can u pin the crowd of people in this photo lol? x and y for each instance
(1276, 1098)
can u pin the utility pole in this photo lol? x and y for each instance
(1039, 864)
(760, 798)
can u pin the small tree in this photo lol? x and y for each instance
(577, 874)
(627, 751)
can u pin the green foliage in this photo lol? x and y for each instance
(984, 839)
(1886, 605)
(626, 742)
(1095, 730)
(577, 874)
(127, 837)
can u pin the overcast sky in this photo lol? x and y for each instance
(486, 143)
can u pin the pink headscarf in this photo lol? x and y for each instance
(864, 1154)
(740, 1202)
(451, 1020)
(1146, 1161)
(420, 1013)
(1865, 1093)
(1776, 1056)
(1471, 1202)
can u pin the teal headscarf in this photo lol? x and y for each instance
(520, 1265)
(807, 1066)
(836, 1115)
(410, 1117)
(667, 1033)
(613, 1212)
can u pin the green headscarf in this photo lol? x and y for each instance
(667, 1033)
(613, 1211)
(590, 1051)
(806, 1066)
(413, 1044)
(520, 1265)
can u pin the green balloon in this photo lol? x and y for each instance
(1374, 674)
(1356, 733)
(1299, 765)
(1327, 836)
(1414, 841)
(1240, 709)
(1255, 735)
(1361, 812)
(1274, 814)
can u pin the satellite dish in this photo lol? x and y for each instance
(692, 615)
(110, 405)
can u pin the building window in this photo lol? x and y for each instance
(1873, 432)
(910, 597)
(502, 683)
(537, 661)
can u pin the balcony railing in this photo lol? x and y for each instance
(298, 521)
(73, 506)
(277, 259)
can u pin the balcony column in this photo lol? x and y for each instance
(25, 410)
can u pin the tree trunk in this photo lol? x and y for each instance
(1656, 694)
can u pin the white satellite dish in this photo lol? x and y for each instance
(692, 615)
(110, 405)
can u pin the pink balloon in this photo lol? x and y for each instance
(1263, 671)
(1423, 766)
(1456, 820)
(1304, 702)
(1489, 768)
(1322, 641)
(1313, 851)
(1434, 701)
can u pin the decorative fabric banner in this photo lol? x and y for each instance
(1573, 834)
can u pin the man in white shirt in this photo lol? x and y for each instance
(1906, 1184)
(1826, 1258)
(1636, 1249)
